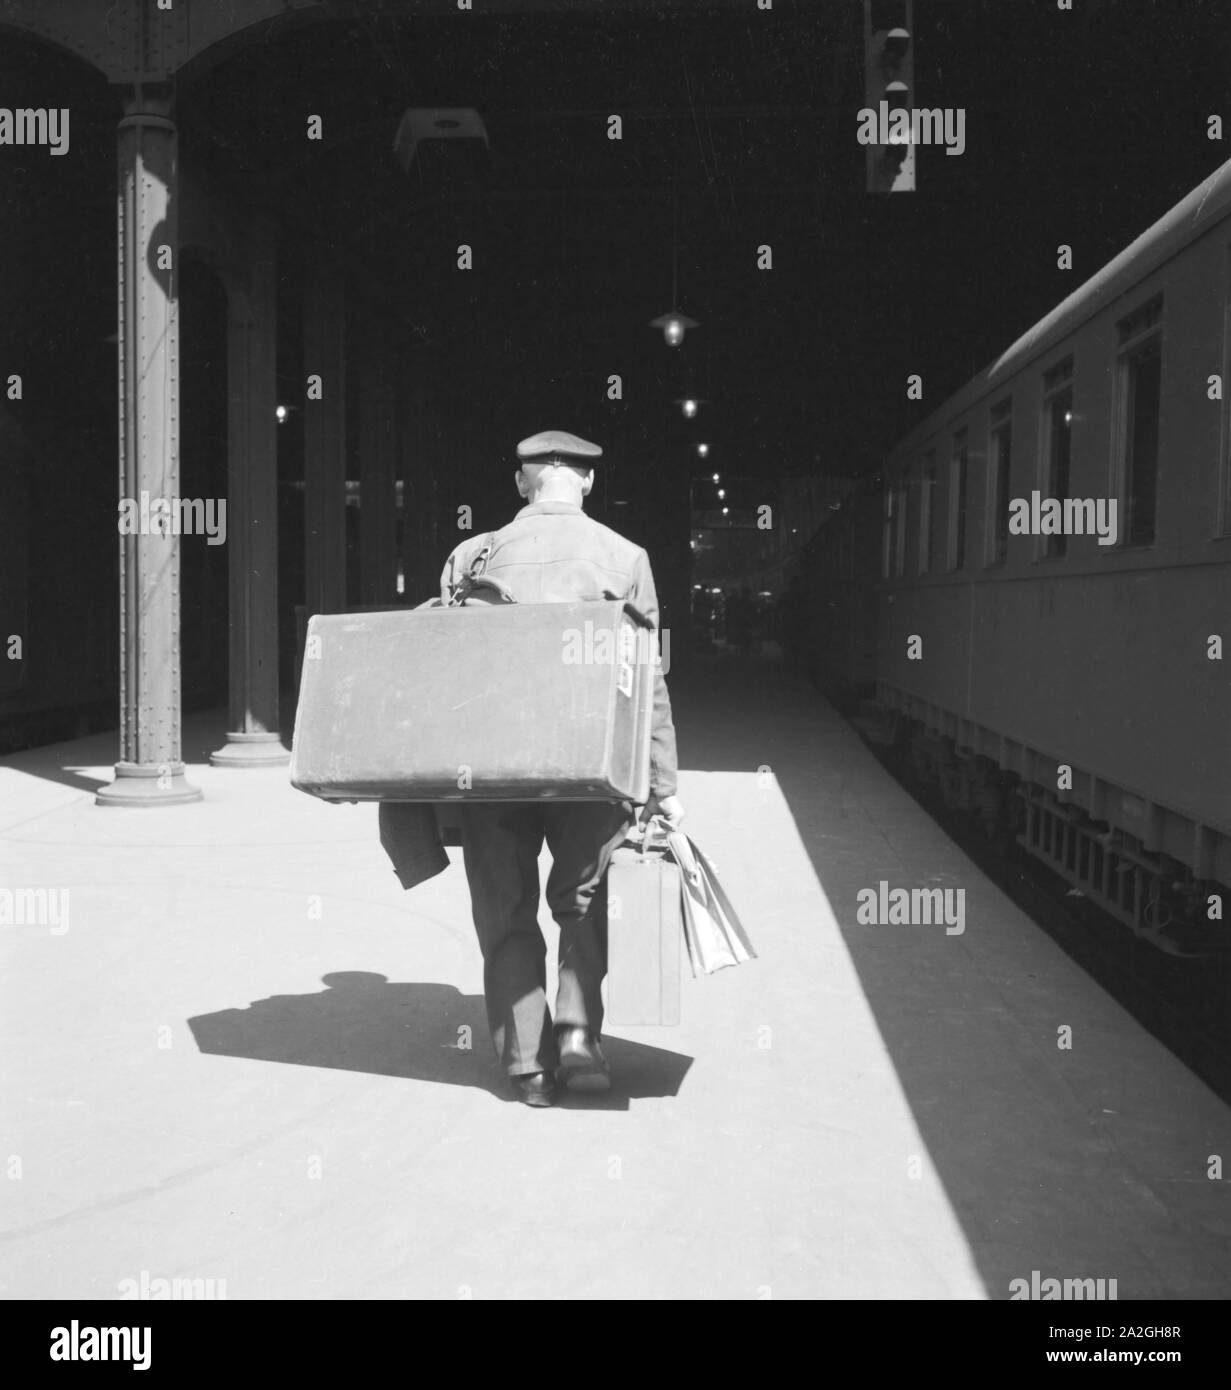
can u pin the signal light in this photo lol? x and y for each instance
(437, 137)
(889, 85)
(674, 325)
(897, 41)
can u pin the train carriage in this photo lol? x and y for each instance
(1078, 653)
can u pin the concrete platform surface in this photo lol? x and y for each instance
(245, 1057)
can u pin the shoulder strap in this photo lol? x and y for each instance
(476, 568)
(479, 564)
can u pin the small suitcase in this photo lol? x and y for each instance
(509, 702)
(644, 932)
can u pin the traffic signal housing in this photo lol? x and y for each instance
(889, 85)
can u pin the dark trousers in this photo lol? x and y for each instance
(501, 843)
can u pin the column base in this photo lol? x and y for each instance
(251, 750)
(148, 784)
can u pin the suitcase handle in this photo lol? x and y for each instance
(645, 835)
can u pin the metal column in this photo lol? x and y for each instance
(150, 771)
(252, 736)
(325, 443)
(377, 495)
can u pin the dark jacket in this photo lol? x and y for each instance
(412, 839)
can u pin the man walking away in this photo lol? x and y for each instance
(551, 552)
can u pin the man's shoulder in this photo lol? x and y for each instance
(602, 538)
(610, 541)
(613, 538)
(466, 549)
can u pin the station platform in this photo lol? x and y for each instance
(245, 1061)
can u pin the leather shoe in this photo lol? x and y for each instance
(582, 1064)
(537, 1088)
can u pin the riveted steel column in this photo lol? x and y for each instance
(404, 415)
(252, 533)
(325, 441)
(424, 550)
(150, 771)
(377, 494)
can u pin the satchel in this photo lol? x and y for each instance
(644, 922)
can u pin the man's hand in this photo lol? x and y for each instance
(670, 808)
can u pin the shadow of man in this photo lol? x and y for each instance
(419, 1031)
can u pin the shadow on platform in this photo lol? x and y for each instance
(420, 1032)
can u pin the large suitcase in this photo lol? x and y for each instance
(509, 702)
(644, 931)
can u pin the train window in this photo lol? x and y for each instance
(933, 510)
(899, 567)
(887, 534)
(1000, 457)
(957, 501)
(1139, 383)
(1224, 448)
(927, 514)
(1141, 321)
(1058, 440)
(1224, 445)
(1143, 370)
(1059, 375)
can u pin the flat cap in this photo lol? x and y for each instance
(557, 444)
